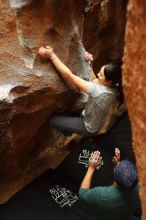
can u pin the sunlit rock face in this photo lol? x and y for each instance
(135, 84)
(30, 88)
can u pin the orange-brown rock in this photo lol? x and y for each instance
(135, 84)
(104, 29)
(30, 89)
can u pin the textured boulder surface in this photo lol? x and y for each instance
(135, 84)
(104, 29)
(30, 88)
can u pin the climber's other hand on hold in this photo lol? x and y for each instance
(88, 57)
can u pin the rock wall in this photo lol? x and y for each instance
(104, 29)
(134, 82)
(31, 90)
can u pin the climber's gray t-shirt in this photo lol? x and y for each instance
(101, 101)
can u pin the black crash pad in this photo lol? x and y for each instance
(75, 165)
(54, 195)
(50, 197)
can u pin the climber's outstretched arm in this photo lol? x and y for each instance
(48, 52)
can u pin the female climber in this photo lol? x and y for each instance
(104, 96)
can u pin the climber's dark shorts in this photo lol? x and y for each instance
(69, 125)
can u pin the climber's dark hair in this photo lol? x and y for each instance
(113, 72)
